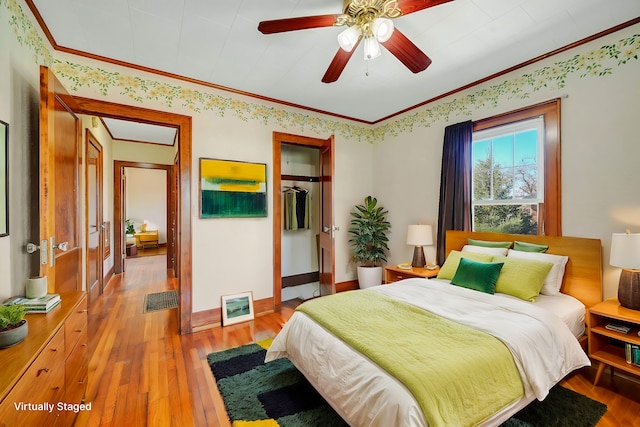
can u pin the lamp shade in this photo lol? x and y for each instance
(349, 38)
(382, 29)
(625, 250)
(419, 235)
(371, 48)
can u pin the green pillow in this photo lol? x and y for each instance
(522, 278)
(448, 269)
(489, 244)
(529, 247)
(479, 276)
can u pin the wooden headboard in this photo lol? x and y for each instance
(583, 273)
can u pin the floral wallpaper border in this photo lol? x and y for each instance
(595, 63)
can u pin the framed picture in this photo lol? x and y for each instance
(237, 308)
(231, 189)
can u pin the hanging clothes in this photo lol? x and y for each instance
(297, 203)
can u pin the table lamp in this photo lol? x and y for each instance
(625, 253)
(419, 236)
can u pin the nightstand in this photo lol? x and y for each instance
(393, 273)
(606, 346)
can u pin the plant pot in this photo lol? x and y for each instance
(13, 336)
(369, 276)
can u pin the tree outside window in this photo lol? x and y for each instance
(508, 176)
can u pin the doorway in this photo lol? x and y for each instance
(183, 173)
(326, 228)
(147, 208)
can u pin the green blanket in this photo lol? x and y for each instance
(458, 375)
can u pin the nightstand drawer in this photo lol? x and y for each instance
(394, 276)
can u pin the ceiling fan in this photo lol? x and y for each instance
(368, 19)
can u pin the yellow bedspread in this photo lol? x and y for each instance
(458, 375)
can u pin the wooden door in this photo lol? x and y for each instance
(327, 228)
(326, 239)
(173, 211)
(60, 246)
(94, 223)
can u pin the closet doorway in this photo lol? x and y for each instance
(303, 225)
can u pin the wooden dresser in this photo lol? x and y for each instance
(43, 379)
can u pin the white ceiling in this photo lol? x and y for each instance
(140, 132)
(218, 42)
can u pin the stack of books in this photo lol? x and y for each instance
(618, 327)
(632, 353)
(36, 305)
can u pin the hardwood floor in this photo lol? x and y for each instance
(142, 373)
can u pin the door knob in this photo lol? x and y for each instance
(63, 246)
(32, 248)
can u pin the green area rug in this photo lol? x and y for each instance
(260, 394)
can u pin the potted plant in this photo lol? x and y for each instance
(129, 228)
(369, 229)
(13, 325)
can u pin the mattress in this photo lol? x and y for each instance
(365, 395)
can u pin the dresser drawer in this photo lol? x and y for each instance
(76, 372)
(75, 325)
(42, 384)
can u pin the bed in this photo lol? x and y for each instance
(428, 353)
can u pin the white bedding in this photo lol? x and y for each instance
(570, 310)
(365, 395)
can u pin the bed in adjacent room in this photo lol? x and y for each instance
(452, 350)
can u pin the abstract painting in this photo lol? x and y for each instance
(232, 189)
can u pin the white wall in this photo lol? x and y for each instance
(147, 153)
(19, 100)
(146, 198)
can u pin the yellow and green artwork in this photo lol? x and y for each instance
(232, 189)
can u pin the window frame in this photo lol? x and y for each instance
(550, 213)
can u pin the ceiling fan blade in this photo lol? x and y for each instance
(293, 24)
(407, 52)
(410, 6)
(337, 64)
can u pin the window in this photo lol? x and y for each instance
(515, 172)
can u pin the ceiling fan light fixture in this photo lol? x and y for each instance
(349, 38)
(382, 29)
(371, 48)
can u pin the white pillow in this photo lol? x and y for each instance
(553, 281)
(485, 250)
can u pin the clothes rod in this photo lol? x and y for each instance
(300, 178)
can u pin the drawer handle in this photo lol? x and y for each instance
(56, 388)
(45, 370)
(84, 345)
(83, 311)
(78, 330)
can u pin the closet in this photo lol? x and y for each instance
(300, 202)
